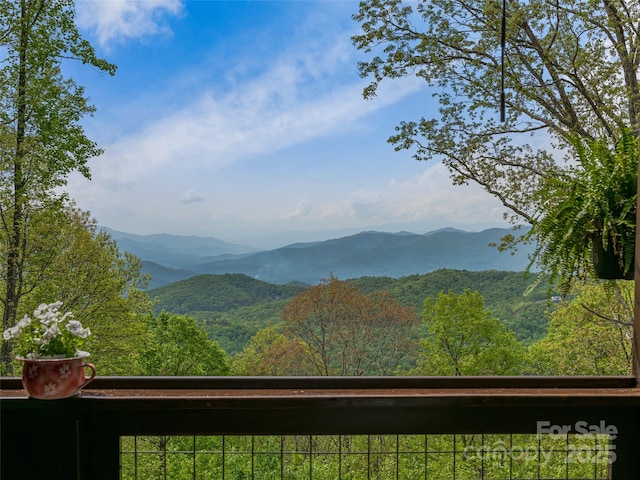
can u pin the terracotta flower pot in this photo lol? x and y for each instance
(55, 378)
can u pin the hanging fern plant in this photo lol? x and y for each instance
(586, 219)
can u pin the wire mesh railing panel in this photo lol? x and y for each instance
(367, 457)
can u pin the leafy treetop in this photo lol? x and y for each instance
(571, 69)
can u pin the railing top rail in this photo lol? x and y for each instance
(350, 383)
(111, 407)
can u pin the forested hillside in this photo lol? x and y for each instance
(218, 293)
(503, 293)
(233, 307)
(230, 307)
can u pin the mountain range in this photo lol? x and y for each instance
(170, 258)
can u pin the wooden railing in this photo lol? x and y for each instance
(78, 438)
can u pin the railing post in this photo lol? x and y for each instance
(636, 308)
(41, 444)
(99, 453)
(625, 465)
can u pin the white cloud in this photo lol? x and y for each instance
(192, 196)
(270, 112)
(370, 206)
(303, 209)
(119, 20)
(432, 195)
(429, 196)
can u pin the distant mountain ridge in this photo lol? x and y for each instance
(374, 254)
(173, 258)
(175, 251)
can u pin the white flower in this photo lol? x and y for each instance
(45, 326)
(15, 331)
(11, 332)
(75, 328)
(41, 308)
(48, 314)
(48, 318)
(24, 322)
(51, 332)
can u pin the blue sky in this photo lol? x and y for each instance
(245, 121)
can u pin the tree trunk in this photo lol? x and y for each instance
(16, 234)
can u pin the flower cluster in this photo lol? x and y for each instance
(49, 333)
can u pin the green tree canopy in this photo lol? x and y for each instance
(350, 333)
(271, 353)
(101, 285)
(178, 346)
(41, 136)
(570, 69)
(589, 335)
(464, 339)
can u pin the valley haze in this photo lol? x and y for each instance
(171, 258)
